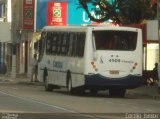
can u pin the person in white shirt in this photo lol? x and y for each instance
(34, 71)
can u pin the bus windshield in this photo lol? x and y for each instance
(115, 40)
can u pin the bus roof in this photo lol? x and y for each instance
(84, 28)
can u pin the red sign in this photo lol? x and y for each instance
(28, 14)
(57, 13)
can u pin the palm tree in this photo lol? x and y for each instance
(121, 11)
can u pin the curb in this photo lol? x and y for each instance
(148, 91)
(31, 83)
(22, 81)
(156, 97)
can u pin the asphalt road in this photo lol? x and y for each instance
(32, 101)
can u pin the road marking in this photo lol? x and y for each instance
(135, 107)
(149, 110)
(15, 88)
(121, 104)
(50, 105)
(109, 102)
(42, 103)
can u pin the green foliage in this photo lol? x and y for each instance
(120, 11)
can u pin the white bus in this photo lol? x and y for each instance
(91, 58)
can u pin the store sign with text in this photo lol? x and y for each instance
(57, 13)
(60, 12)
(28, 14)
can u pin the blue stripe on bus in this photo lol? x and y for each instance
(129, 81)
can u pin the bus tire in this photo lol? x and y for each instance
(117, 92)
(48, 87)
(69, 84)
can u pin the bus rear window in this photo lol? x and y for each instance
(115, 40)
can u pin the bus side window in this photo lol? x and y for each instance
(64, 44)
(47, 46)
(81, 44)
(74, 50)
(83, 37)
(73, 45)
(54, 43)
(41, 45)
(59, 43)
(49, 43)
(78, 44)
(70, 44)
(67, 43)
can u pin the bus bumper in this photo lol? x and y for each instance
(128, 82)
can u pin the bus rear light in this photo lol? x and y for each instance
(92, 63)
(134, 67)
(136, 64)
(94, 66)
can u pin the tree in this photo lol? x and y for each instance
(121, 11)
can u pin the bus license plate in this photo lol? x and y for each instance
(114, 72)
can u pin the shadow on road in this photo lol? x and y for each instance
(104, 94)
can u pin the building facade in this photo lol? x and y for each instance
(24, 20)
(5, 37)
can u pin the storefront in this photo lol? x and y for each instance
(5, 48)
(151, 49)
(68, 12)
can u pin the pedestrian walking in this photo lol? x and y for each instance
(34, 71)
(155, 73)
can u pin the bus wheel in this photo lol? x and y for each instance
(69, 84)
(117, 92)
(48, 87)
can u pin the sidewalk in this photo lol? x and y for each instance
(150, 91)
(20, 79)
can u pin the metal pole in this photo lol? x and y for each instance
(13, 36)
(158, 18)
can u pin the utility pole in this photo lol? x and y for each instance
(13, 37)
(158, 18)
(15, 32)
